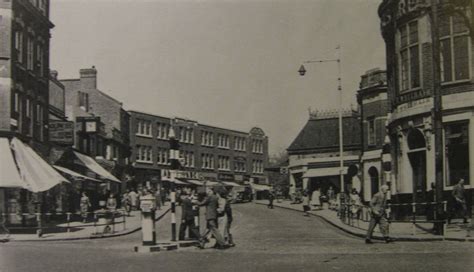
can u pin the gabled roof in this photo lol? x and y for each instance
(324, 134)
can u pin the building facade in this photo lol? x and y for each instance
(314, 158)
(206, 152)
(407, 31)
(373, 108)
(101, 124)
(24, 78)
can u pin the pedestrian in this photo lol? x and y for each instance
(459, 202)
(133, 199)
(356, 204)
(271, 197)
(331, 197)
(211, 203)
(228, 235)
(158, 199)
(378, 206)
(85, 205)
(315, 199)
(111, 202)
(187, 216)
(126, 204)
(221, 213)
(306, 203)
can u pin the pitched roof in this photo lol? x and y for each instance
(324, 134)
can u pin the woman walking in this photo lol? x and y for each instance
(85, 204)
(306, 203)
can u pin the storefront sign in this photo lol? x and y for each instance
(61, 132)
(225, 177)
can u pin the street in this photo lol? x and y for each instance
(267, 240)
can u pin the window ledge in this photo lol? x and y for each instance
(145, 162)
(453, 83)
(143, 135)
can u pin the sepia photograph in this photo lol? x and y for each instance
(236, 135)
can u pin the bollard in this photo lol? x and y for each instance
(147, 206)
(124, 221)
(413, 210)
(68, 218)
(39, 231)
(113, 222)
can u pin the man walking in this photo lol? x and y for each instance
(459, 201)
(187, 216)
(211, 203)
(378, 205)
(271, 197)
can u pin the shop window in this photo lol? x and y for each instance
(457, 152)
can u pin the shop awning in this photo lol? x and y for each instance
(74, 174)
(95, 167)
(9, 176)
(259, 187)
(230, 183)
(195, 182)
(173, 180)
(37, 174)
(323, 172)
(211, 183)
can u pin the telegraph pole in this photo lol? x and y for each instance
(437, 114)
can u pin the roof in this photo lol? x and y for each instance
(324, 134)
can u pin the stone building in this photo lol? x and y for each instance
(406, 29)
(206, 152)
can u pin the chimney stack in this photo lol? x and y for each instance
(88, 78)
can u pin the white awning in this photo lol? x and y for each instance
(9, 176)
(173, 180)
(211, 183)
(324, 172)
(74, 174)
(37, 174)
(95, 167)
(195, 182)
(259, 187)
(230, 183)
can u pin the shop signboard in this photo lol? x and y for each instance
(61, 132)
(225, 177)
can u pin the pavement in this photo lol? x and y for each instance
(400, 231)
(266, 240)
(80, 230)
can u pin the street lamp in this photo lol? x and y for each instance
(302, 72)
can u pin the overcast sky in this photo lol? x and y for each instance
(231, 64)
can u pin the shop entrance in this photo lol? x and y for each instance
(417, 157)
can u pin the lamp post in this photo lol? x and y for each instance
(302, 72)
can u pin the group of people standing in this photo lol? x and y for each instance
(218, 217)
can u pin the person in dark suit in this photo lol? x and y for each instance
(271, 197)
(211, 203)
(187, 216)
(378, 206)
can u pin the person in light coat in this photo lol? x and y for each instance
(378, 206)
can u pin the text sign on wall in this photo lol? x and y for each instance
(61, 132)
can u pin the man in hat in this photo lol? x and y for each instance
(378, 206)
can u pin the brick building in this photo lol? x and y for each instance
(207, 152)
(101, 124)
(314, 157)
(373, 108)
(406, 29)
